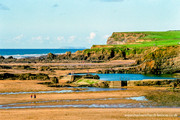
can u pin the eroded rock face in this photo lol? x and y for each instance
(163, 60)
(122, 38)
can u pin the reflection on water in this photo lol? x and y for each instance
(118, 76)
(139, 104)
(20, 105)
(131, 105)
(140, 98)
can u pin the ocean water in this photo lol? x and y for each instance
(24, 53)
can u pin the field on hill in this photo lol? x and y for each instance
(167, 38)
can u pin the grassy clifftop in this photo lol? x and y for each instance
(142, 39)
(136, 45)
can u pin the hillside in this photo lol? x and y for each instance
(143, 39)
(155, 52)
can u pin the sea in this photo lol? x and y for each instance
(24, 53)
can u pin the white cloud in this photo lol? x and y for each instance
(19, 37)
(37, 38)
(60, 38)
(71, 38)
(106, 36)
(92, 35)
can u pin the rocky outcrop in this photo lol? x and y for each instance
(163, 60)
(167, 83)
(118, 38)
(25, 76)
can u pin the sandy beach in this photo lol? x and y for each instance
(75, 98)
(91, 114)
(83, 97)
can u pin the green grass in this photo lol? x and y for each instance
(168, 38)
(89, 81)
(154, 43)
(168, 35)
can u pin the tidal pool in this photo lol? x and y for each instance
(126, 77)
(140, 98)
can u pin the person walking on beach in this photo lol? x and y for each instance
(34, 96)
(31, 96)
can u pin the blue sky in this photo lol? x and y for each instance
(80, 23)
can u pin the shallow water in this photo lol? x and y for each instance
(88, 89)
(15, 105)
(120, 105)
(78, 106)
(140, 98)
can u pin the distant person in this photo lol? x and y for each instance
(34, 96)
(87, 72)
(31, 96)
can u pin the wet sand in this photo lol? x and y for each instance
(91, 114)
(113, 62)
(78, 113)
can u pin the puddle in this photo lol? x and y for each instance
(88, 89)
(140, 98)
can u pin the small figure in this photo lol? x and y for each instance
(87, 72)
(31, 96)
(34, 96)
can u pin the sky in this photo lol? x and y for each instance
(80, 23)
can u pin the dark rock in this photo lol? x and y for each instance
(1, 57)
(10, 57)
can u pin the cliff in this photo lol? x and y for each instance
(145, 38)
(123, 38)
